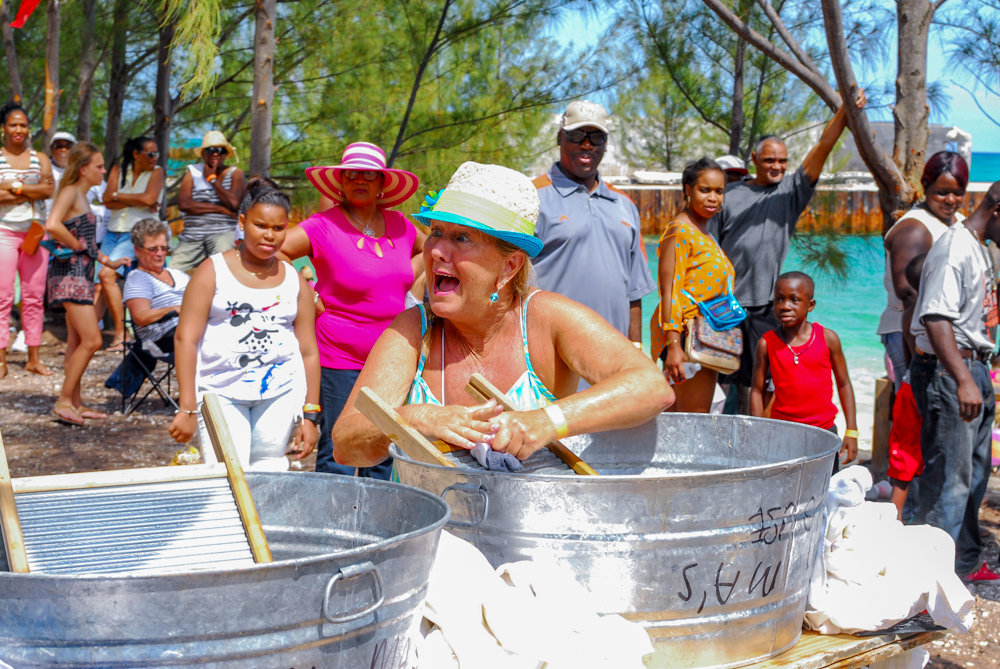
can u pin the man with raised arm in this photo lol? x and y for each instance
(754, 228)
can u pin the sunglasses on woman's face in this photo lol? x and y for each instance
(156, 249)
(152, 155)
(215, 150)
(368, 175)
(596, 137)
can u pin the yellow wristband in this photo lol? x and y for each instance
(311, 408)
(850, 434)
(555, 415)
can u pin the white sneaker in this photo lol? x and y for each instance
(19, 346)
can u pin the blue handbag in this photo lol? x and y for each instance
(722, 312)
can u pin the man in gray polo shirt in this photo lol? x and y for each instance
(592, 239)
(754, 228)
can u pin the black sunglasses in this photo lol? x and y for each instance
(152, 155)
(216, 150)
(368, 175)
(596, 137)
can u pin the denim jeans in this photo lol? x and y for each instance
(893, 343)
(956, 456)
(335, 388)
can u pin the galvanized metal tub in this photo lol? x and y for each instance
(352, 559)
(702, 528)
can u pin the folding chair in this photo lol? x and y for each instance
(132, 362)
(159, 519)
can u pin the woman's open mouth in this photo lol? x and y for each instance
(445, 283)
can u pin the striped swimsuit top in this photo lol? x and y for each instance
(527, 393)
(18, 217)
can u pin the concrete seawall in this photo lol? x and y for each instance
(834, 208)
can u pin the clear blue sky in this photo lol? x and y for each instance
(583, 31)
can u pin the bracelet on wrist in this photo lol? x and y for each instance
(187, 411)
(850, 434)
(558, 419)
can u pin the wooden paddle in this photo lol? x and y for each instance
(483, 391)
(385, 418)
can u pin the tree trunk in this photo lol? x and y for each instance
(736, 122)
(428, 55)
(911, 114)
(117, 81)
(10, 49)
(163, 104)
(50, 119)
(85, 95)
(261, 111)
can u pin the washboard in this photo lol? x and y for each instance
(555, 459)
(160, 519)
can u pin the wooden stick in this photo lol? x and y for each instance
(118, 477)
(392, 425)
(10, 524)
(481, 389)
(225, 452)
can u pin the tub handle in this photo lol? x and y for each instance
(347, 573)
(469, 489)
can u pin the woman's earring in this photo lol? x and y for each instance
(494, 297)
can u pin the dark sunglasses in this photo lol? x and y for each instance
(215, 150)
(368, 175)
(596, 137)
(156, 249)
(152, 155)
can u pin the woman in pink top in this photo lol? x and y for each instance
(365, 257)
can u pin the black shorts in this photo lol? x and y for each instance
(758, 321)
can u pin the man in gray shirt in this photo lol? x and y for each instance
(954, 325)
(754, 228)
(591, 234)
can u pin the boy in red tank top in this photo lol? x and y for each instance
(802, 359)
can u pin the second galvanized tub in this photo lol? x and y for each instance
(352, 559)
(702, 528)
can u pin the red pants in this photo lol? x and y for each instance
(905, 457)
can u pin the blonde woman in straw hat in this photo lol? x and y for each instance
(210, 195)
(483, 316)
(364, 255)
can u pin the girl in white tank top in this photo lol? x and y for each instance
(247, 334)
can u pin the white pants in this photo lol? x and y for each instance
(260, 430)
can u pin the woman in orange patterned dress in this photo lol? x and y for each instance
(692, 261)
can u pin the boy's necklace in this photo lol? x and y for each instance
(795, 356)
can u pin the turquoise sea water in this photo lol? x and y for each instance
(850, 307)
(985, 167)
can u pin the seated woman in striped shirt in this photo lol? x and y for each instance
(154, 294)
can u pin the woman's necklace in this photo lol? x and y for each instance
(256, 274)
(795, 356)
(369, 232)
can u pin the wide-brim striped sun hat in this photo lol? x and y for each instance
(399, 185)
(490, 198)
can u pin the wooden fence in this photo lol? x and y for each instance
(840, 211)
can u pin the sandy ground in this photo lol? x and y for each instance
(36, 444)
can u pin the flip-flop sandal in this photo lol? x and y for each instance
(90, 414)
(63, 418)
(116, 346)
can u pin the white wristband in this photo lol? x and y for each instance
(558, 419)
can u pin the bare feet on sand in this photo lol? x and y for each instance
(36, 367)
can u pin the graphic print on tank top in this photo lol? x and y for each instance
(255, 334)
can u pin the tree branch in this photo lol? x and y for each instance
(812, 79)
(786, 36)
(885, 171)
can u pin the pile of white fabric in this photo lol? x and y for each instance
(872, 571)
(524, 615)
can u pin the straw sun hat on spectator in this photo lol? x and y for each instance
(399, 185)
(490, 198)
(216, 138)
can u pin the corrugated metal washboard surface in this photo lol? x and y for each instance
(155, 527)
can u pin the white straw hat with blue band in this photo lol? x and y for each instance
(490, 198)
